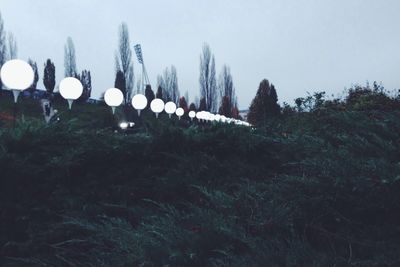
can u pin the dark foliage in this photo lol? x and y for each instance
(312, 189)
(49, 76)
(149, 95)
(264, 105)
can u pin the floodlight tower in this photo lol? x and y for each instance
(139, 55)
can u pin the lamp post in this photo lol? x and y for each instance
(71, 89)
(179, 112)
(170, 108)
(139, 102)
(113, 98)
(17, 75)
(192, 115)
(157, 106)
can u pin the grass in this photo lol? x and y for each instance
(311, 189)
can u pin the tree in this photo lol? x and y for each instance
(159, 93)
(3, 47)
(226, 107)
(169, 84)
(192, 107)
(148, 92)
(183, 104)
(49, 76)
(120, 82)
(264, 105)
(70, 59)
(227, 92)
(202, 105)
(123, 61)
(33, 86)
(86, 81)
(207, 80)
(12, 46)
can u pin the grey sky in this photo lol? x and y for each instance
(299, 45)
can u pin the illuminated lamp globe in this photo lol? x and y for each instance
(192, 114)
(139, 102)
(114, 98)
(223, 119)
(170, 108)
(71, 89)
(17, 75)
(199, 115)
(217, 117)
(211, 117)
(179, 112)
(157, 106)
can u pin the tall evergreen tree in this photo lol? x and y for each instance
(264, 105)
(203, 104)
(183, 104)
(49, 76)
(159, 93)
(148, 92)
(192, 107)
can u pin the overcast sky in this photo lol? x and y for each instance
(299, 45)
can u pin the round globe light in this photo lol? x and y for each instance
(217, 117)
(192, 114)
(179, 112)
(157, 106)
(17, 75)
(211, 117)
(199, 115)
(139, 102)
(71, 89)
(114, 98)
(170, 108)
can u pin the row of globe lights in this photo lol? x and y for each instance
(114, 98)
(18, 75)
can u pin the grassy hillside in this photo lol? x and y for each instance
(311, 189)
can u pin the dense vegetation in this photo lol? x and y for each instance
(316, 188)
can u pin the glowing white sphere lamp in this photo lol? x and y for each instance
(199, 115)
(223, 119)
(192, 114)
(17, 75)
(114, 98)
(170, 108)
(71, 89)
(157, 106)
(139, 102)
(211, 117)
(179, 112)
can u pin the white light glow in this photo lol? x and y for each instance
(113, 97)
(16, 75)
(70, 89)
(157, 106)
(179, 112)
(170, 108)
(139, 102)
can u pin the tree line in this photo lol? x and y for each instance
(216, 94)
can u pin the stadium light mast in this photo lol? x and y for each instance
(139, 55)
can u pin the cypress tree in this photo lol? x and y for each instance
(264, 105)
